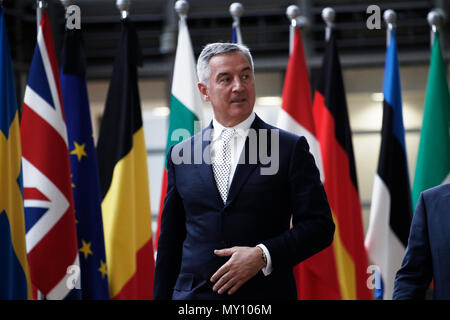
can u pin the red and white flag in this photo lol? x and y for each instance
(296, 116)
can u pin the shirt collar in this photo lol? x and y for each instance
(241, 128)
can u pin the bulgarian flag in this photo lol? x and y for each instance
(433, 159)
(334, 135)
(185, 103)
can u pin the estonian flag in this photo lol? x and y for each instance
(391, 210)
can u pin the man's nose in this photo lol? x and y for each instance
(237, 84)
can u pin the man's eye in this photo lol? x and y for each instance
(224, 80)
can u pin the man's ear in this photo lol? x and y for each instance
(203, 90)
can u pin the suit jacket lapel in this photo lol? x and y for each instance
(204, 167)
(248, 161)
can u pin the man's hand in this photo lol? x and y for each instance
(244, 263)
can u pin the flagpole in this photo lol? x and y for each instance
(292, 12)
(328, 16)
(390, 17)
(124, 8)
(435, 19)
(237, 10)
(40, 5)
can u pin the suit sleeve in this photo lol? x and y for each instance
(313, 226)
(173, 233)
(414, 276)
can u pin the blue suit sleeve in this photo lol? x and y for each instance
(414, 276)
(313, 226)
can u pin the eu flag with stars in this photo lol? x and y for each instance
(83, 165)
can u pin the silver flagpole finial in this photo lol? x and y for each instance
(436, 19)
(236, 10)
(292, 13)
(390, 17)
(182, 8)
(328, 16)
(124, 7)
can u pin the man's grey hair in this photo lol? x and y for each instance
(213, 49)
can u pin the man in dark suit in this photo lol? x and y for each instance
(232, 191)
(428, 253)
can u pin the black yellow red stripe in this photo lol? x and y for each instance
(333, 132)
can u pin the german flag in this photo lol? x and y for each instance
(124, 180)
(334, 135)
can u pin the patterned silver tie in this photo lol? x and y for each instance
(222, 163)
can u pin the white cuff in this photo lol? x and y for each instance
(268, 268)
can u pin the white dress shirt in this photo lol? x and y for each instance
(237, 145)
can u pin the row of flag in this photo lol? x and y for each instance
(73, 226)
(75, 222)
(341, 271)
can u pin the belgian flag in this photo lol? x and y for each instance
(123, 174)
(334, 135)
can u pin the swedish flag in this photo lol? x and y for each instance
(14, 273)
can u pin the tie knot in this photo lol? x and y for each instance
(227, 134)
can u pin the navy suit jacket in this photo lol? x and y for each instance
(428, 253)
(195, 221)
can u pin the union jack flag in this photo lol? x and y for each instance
(49, 212)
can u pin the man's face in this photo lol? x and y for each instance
(231, 88)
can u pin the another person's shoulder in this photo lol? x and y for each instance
(436, 200)
(438, 192)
